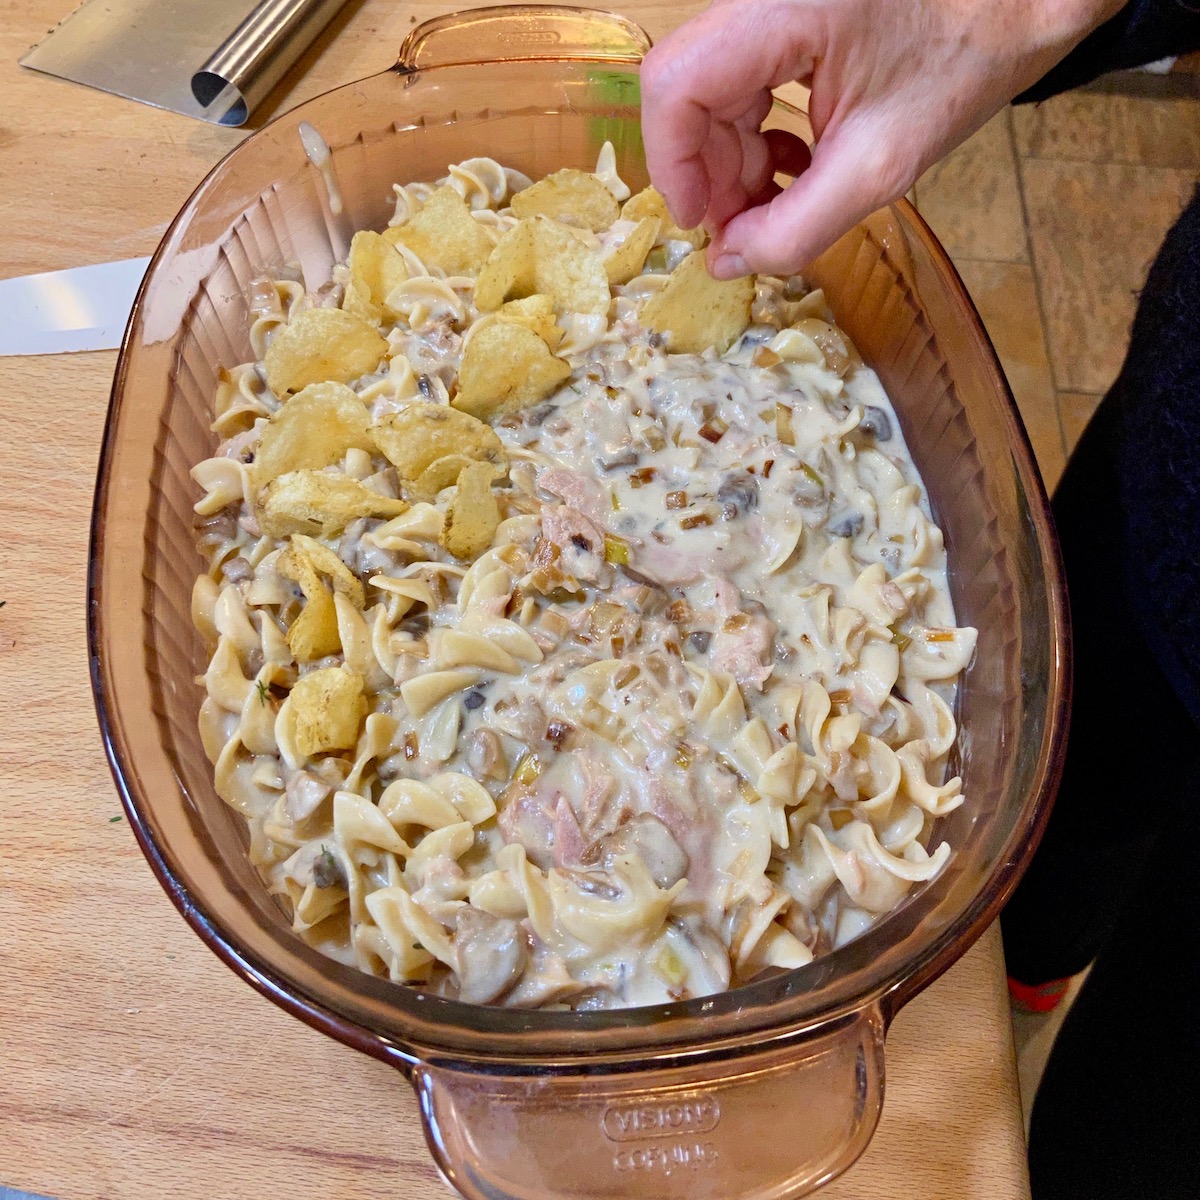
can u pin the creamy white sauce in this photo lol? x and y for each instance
(317, 150)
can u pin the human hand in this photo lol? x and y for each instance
(895, 85)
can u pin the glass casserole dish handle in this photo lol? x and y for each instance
(704, 1125)
(522, 33)
(757, 1121)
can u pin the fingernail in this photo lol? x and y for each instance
(729, 266)
(669, 201)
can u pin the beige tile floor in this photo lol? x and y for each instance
(1052, 215)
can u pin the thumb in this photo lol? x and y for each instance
(855, 169)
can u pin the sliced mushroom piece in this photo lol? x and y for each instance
(737, 495)
(304, 793)
(490, 954)
(877, 423)
(485, 756)
(846, 524)
(714, 966)
(647, 837)
(327, 871)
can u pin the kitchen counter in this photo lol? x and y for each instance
(133, 1064)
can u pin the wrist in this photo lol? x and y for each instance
(1060, 25)
(1033, 36)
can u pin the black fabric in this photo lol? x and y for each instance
(1157, 401)
(1128, 516)
(1116, 877)
(1144, 31)
(1114, 1117)
(1116, 881)
(1094, 845)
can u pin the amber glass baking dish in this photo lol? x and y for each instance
(673, 1101)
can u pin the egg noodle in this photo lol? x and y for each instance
(581, 637)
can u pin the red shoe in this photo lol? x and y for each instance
(1037, 997)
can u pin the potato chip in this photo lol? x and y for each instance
(538, 313)
(573, 197)
(506, 367)
(319, 503)
(376, 268)
(423, 432)
(356, 300)
(649, 203)
(314, 633)
(440, 474)
(697, 311)
(473, 516)
(328, 563)
(540, 257)
(508, 270)
(445, 235)
(628, 259)
(313, 429)
(328, 708)
(319, 345)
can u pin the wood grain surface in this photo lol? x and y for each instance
(133, 1064)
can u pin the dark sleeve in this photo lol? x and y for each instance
(1144, 31)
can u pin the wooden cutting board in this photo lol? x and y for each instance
(133, 1064)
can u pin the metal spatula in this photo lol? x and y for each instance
(211, 59)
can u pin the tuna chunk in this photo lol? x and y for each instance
(578, 491)
(597, 809)
(581, 543)
(672, 564)
(529, 818)
(569, 842)
(744, 646)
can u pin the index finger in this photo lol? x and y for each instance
(714, 68)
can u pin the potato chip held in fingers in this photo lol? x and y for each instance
(649, 203)
(695, 311)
